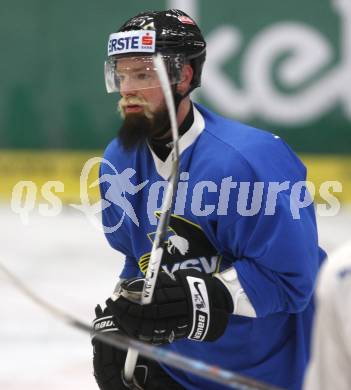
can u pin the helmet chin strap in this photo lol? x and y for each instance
(177, 99)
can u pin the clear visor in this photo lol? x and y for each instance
(125, 74)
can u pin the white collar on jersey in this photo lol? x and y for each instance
(164, 168)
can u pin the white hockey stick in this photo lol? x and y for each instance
(159, 241)
(175, 360)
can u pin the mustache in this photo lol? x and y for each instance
(134, 100)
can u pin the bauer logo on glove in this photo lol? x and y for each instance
(201, 309)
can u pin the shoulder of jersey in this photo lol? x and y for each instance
(114, 148)
(115, 153)
(235, 134)
(232, 141)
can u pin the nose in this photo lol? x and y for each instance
(127, 93)
(128, 86)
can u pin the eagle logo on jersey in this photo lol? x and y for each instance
(186, 247)
(177, 243)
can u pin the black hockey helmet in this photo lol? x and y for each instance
(176, 34)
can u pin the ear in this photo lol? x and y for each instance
(187, 76)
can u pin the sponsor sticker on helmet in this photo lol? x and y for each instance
(147, 40)
(139, 41)
(185, 19)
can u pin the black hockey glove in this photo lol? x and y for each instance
(187, 303)
(109, 361)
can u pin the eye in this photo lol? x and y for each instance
(120, 77)
(143, 76)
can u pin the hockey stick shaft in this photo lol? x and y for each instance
(166, 209)
(193, 366)
(158, 245)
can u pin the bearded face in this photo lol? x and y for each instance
(140, 123)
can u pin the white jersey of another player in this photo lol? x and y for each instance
(330, 365)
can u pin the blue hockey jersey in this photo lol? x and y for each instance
(226, 215)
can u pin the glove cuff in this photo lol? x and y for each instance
(210, 304)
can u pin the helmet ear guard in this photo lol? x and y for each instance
(197, 65)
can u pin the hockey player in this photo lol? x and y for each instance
(330, 363)
(237, 282)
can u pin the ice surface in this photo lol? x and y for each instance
(68, 261)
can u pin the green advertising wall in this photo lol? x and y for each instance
(284, 66)
(280, 65)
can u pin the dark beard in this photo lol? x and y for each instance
(137, 128)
